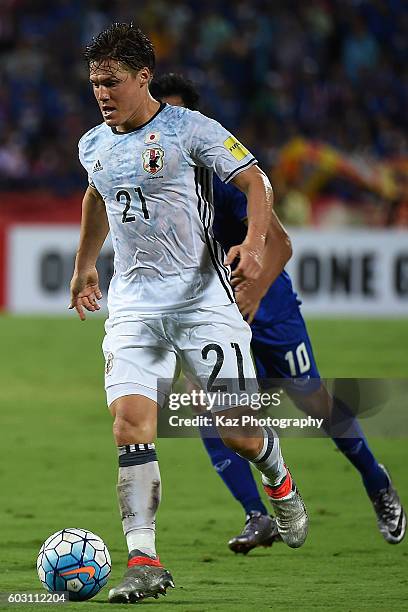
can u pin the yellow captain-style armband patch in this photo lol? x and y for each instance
(236, 149)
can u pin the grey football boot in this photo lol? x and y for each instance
(259, 530)
(290, 513)
(391, 518)
(144, 577)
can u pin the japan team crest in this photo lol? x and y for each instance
(153, 160)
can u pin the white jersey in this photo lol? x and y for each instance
(156, 182)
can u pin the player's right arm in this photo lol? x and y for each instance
(94, 228)
(277, 252)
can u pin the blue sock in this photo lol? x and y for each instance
(234, 471)
(355, 448)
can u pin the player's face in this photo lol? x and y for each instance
(120, 93)
(173, 100)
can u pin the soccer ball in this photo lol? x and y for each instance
(74, 560)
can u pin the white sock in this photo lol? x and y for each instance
(139, 493)
(270, 461)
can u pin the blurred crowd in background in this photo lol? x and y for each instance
(318, 90)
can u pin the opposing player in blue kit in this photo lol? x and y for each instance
(282, 350)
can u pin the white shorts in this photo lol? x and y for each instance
(210, 345)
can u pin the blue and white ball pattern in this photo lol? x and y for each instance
(74, 560)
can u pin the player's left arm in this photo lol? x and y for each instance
(258, 190)
(277, 252)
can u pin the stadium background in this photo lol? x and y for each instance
(318, 91)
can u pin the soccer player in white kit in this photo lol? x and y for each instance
(170, 300)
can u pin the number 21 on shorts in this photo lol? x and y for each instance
(299, 361)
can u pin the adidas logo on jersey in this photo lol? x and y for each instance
(98, 166)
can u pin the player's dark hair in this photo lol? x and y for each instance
(122, 42)
(172, 84)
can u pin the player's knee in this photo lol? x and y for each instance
(128, 431)
(134, 420)
(122, 430)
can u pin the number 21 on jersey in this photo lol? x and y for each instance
(124, 196)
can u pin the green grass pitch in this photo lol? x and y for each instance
(59, 469)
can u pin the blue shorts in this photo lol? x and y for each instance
(283, 350)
